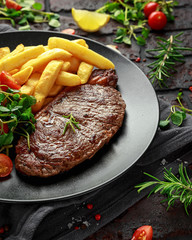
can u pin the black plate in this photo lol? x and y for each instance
(132, 140)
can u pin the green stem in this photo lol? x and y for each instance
(103, 8)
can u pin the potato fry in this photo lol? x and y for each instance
(14, 71)
(19, 48)
(55, 90)
(84, 72)
(19, 59)
(29, 87)
(46, 82)
(68, 79)
(43, 59)
(4, 51)
(46, 48)
(74, 65)
(81, 42)
(81, 52)
(22, 76)
(66, 66)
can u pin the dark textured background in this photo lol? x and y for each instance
(172, 224)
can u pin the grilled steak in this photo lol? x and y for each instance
(99, 111)
(104, 77)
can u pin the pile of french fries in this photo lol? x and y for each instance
(43, 71)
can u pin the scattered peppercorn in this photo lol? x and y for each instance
(97, 217)
(68, 31)
(138, 59)
(2, 230)
(89, 206)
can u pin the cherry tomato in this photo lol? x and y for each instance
(5, 128)
(143, 233)
(13, 5)
(69, 31)
(7, 79)
(6, 165)
(157, 20)
(150, 7)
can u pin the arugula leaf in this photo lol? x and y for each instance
(16, 113)
(30, 12)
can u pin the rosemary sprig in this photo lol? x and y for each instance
(72, 122)
(169, 52)
(175, 188)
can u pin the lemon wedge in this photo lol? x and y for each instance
(89, 21)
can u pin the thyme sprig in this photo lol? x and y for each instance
(169, 52)
(175, 188)
(72, 122)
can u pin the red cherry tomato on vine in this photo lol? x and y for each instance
(143, 233)
(157, 20)
(6, 165)
(150, 7)
(13, 5)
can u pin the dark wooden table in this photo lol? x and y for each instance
(172, 224)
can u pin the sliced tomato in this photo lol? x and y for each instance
(5, 128)
(69, 31)
(6, 165)
(7, 79)
(13, 5)
(143, 233)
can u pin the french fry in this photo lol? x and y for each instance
(46, 48)
(68, 79)
(22, 76)
(4, 51)
(81, 42)
(55, 90)
(12, 72)
(66, 66)
(46, 82)
(42, 60)
(19, 48)
(84, 72)
(83, 53)
(74, 65)
(19, 59)
(29, 87)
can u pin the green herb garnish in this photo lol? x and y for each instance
(29, 13)
(169, 52)
(15, 112)
(177, 114)
(72, 122)
(129, 13)
(175, 188)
